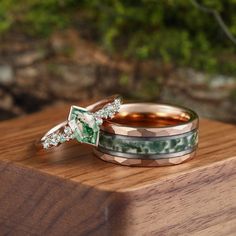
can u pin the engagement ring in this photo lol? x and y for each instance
(83, 124)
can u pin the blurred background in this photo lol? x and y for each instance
(66, 51)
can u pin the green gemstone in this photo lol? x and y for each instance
(154, 146)
(87, 130)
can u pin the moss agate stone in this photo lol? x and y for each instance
(85, 127)
(142, 146)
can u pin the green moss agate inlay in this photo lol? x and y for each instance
(86, 129)
(148, 146)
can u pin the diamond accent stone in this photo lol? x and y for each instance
(109, 110)
(68, 132)
(63, 139)
(66, 135)
(46, 144)
(98, 120)
(57, 138)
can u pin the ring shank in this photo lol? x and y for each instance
(144, 162)
(149, 119)
(100, 104)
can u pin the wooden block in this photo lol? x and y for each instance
(68, 191)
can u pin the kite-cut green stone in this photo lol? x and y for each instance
(89, 135)
(90, 132)
(75, 112)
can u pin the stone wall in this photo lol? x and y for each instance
(65, 68)
(213, 96)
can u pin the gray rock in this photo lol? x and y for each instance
(221, 81)
(191, 76)
(80, 76)
(6, 74)
(6, 101)
(30, 72)
(30, 57)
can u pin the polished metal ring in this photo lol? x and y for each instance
(148, 134)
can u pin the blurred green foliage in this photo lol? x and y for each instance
(36, 17)
(172, 31)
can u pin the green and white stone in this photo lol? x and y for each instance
(148, 146)
(84, 125)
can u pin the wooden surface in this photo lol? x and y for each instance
(68, 191)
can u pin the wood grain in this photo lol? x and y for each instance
(68, 191)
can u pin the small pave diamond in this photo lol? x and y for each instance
(63, 139)
(68, 131)
(109, 110)
(66, 135)
(57, 138)
(46, 144)
(98, 120)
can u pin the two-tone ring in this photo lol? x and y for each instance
(83, 124)
(148, 134)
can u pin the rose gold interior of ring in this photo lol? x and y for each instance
(150, 115)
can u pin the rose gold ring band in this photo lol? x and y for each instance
(66, 130)
(144, 162)
(183, 119)
(148, 134)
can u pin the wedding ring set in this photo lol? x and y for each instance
(133, 134)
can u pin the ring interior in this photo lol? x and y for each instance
(150, 115)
